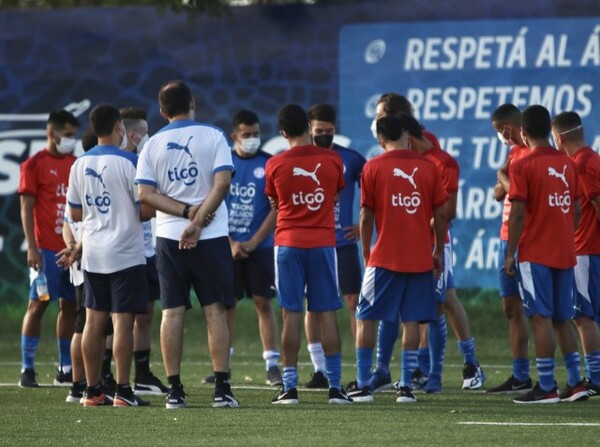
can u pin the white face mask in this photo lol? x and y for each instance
(140, 145)
(66, 145)
(250, 145)
(123, 144)
(374, 128)
(501, 138)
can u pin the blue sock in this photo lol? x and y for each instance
(438, 335)
(409, 363)
(64, 354)
(364, 361)
(387, 334)
(545, 367)
(521, 369)
(334, 370)
(28, 348)
(467, 348)
(424, 360)
(586, 366)
(572, 364)
(290, 377)
(593, 367)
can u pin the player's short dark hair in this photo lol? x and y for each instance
(411, 125)
(134, 113)
(507, 114)
(390, 128)
(246, 117)
(322, 112)
(293, 120)
(536, 121)
(88, 139)
(59, 118)
(395, 104)
(568, 122)
(103, 118)
(175, 98)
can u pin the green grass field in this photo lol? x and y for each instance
(42, 417)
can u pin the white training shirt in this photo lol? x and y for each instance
(180, 162)
(101, 183)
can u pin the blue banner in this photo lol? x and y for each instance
(456, 74)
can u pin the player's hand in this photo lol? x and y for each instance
(34, 258)
(248, 246)
(189, 237)
(438, 265)
(237, 250)
(509, 265)
(65, 257)
(273, 203)
(352, 233)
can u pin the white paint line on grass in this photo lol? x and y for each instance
(534, 424)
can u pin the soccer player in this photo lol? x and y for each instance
(322, 119)
(506, 120)
(251, 225)
(567, 131)
(103, 197)
(302, 184)
(401, 192)
(136, 126)
(184, 173)
(543, 189)
(42, 189)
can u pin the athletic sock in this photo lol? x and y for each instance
(521, 369)
(545, 367)
(467, 348)
(438, 335)
(142, 363)
(593, 362)
(409, 364)
(571, 361)
(94, 390)
(174, 380)
(387, 334)
(364, 361)
(28, 348)
(221, 378)
(290, 378)
(424, 360)
(317, 356)
(334, 370)
(271, 358)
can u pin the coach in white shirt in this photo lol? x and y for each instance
(103, 197)
(184, 173)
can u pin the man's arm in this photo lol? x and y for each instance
(222, 182)
(367, 217)
(266, 228)
(150, 197)
(516, 222)
(440, 222)
(34, 257)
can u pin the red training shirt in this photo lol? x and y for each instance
(516, 153)
(587, 234)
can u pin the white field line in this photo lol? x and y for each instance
(534, 424)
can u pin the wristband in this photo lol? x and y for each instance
(186, 211)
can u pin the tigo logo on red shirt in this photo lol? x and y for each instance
(560, 200)
(312, 200)
(409, 202)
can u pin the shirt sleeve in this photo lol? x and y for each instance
(269, 179)
(28, 181)
(440, 194)
(145, 173)
(73, 195)
(367, 195)
(223, 160)
(589, 178)
(451, 175)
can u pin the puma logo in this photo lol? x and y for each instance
(304, 173)
(400, 173)
(178, 147)
(54, 172)
(92, 173)
(559, 175)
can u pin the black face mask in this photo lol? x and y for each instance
(323, 140)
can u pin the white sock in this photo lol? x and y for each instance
(230, 355)
(66, 369)
(271, 358)
(317, 356)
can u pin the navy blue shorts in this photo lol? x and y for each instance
(310, 271)
(509, 284)
(587, 291)
(349, 273)
(255, 275)
(124, 291)
(59, 282)
(208, 268)
(392, 296)
(546, 291)
(152, 278)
